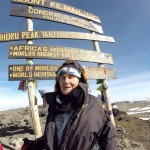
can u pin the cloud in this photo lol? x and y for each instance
(13, 100)
(11, 97)
(3, 75)
(140, 80)
(135, 86)
(130, 87)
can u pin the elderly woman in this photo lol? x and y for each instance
(76, 120)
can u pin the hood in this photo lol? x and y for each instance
(83, 78)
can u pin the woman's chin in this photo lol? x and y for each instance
(66, 92)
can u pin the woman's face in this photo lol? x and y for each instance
(67, 83)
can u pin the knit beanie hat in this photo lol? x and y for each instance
(69, 69)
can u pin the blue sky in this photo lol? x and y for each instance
(127, 21)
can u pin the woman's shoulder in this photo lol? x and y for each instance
(49, 97)
(95, 102)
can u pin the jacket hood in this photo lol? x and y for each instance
(83, 78)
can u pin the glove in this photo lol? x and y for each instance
(23, 147)
(27, 145)
(33, 145)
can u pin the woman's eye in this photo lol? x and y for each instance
(62, 77)
(70, 76)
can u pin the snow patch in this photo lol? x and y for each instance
(132, 109)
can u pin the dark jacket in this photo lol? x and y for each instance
(88, 128)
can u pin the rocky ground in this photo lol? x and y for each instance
(133, 133)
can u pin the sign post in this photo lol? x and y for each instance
(31, 92)
(105, 92)
(30, 72)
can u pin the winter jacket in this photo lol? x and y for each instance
(88, 128)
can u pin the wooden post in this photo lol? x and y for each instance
(31, 92)
(107, 103)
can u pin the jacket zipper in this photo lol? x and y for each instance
(78, 114)
(51, 129)
(65, 130)
(93, 142)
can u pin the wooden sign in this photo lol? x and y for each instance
(57, 52)
(28, 35)
(46, 72)
(59, 6)
(54, 16)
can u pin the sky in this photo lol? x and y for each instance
(127, 21)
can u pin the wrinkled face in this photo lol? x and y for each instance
(68, 83)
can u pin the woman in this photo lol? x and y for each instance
(76, 120)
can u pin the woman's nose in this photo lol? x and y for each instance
(66, 79)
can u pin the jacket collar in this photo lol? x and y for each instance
(50, 96)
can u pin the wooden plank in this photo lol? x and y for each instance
(28, 35)
(46, 72)
(57, 52)
(100, 73)
(59, 6)
(56, 17)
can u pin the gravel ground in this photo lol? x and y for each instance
(133, 133)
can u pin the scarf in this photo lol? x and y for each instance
(69, 102)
